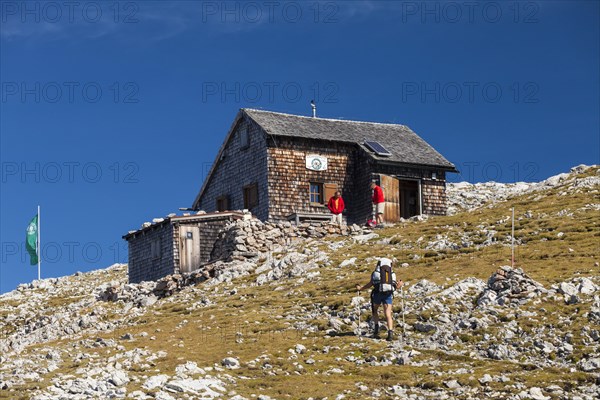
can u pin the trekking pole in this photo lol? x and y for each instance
(358, 305)
(403, 312)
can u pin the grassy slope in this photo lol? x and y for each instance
(259, 313)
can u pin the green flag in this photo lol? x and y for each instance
(31, 242)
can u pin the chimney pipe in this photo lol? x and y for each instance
(314, 108)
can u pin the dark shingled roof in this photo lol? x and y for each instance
(405, 145)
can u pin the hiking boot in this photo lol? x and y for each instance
(390, 336)
(376, 332)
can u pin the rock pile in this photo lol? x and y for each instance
(510, 286)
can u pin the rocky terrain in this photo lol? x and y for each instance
(278, 315)
(467, 196)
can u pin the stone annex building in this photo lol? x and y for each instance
(286, 167)
(283, 167)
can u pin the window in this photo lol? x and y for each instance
(245, 138)
(222, 203)
(316, 193)
(250, 196)
(155, 249)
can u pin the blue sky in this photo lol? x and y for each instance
(111, 112)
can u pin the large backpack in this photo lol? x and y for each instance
(383, 278)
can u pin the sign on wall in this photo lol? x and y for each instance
(316, 163)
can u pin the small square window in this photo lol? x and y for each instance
(316, 193)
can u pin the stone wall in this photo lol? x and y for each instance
(245, 239)
(143, 264)
(237, 168)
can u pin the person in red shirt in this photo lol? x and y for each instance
(378, 201)
(336, 206)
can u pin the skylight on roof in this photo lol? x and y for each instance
(377, 148)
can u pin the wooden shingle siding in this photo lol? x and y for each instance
(142, 266)
(289, 179)
(434, 197)
(362, 175)
(237, 168)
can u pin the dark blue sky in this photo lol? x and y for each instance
(111, 112)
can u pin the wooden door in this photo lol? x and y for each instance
(329, 190)
(189, 248)
(391, 192)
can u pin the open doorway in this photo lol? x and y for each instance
(409, 198)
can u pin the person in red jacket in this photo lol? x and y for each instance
(336, 206)
(378, 201)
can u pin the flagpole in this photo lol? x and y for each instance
(39, 251)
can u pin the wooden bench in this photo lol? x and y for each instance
(308, 217)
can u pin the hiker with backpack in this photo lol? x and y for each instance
(384, 283)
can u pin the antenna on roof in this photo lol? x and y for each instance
(314, 108)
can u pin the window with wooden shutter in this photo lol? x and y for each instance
(329, 190)
(316, 193)
(223, 203)
(250, 196)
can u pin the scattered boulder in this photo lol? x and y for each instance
(156, 381)
(589, 364)
(537, 394)
(300, 349)
(230, 362)
(509, 286)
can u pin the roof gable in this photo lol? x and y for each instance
(404, 144)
